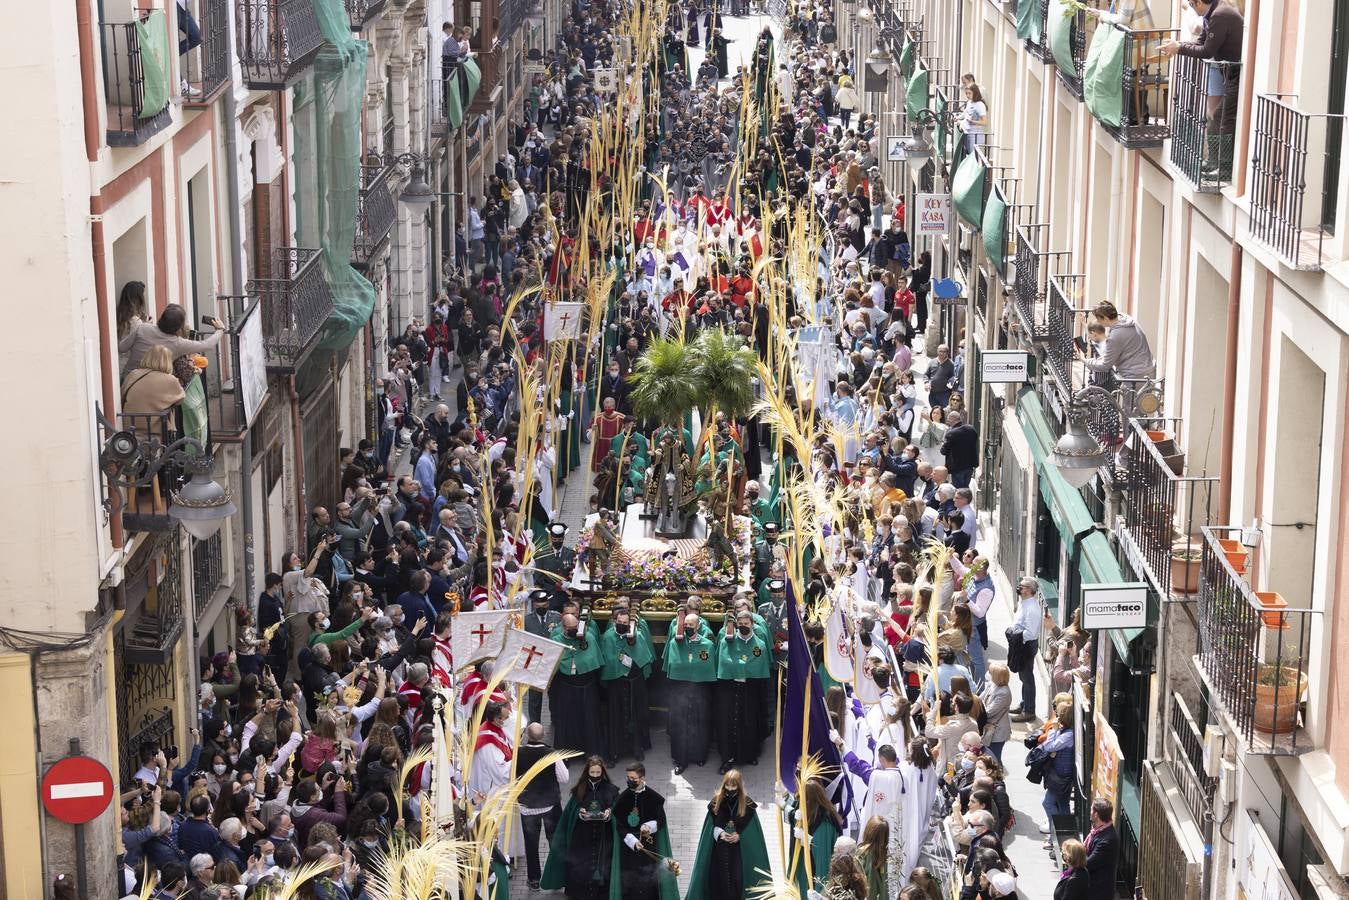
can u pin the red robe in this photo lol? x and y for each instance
(607, 427)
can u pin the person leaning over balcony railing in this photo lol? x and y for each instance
(1126, 351)
(1221, 33)
(151, 388)
(167, 332)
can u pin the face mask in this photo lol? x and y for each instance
(744, 630)
(323, 623)
(234, 759)
(633, 784)
(229, 729)
(572, 632)
(967, 764)
(971, 833)
(372, 845)
(731, 792)
(269, 860)
(621, 627)
(219, 768)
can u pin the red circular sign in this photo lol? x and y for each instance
(77, 789)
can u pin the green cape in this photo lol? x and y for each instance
(822, 840)
(667, 880)
(754, 867)
(555, 869)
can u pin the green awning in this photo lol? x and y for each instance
(967, 190)
(994, 229)
(917, 93)
(1096, 561)
(1103, 75)
(1028, 22)
(1060, 33)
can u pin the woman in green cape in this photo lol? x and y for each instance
(873, 855)
(824, 827)
(732, 857)
(580, 856)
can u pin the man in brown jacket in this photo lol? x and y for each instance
(1220, 45)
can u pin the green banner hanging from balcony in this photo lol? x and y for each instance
(1028, 23)
(906, 58)
(916, 100)
(994, 229)
(339, 94)
(967, 190)
(1103, 76)
(1059, 25)
(940, 133)
(152, 36)
(454, 99)
(473, 78)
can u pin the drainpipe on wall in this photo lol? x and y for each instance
(1225, 468)
(229, 113)
(297, 436)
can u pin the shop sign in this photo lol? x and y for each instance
(1004, 366)
(932, 214)
(1107, 606)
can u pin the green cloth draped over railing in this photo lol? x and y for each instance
(339, 96)
(906, 58)
(916, 98)
(967, 189)
(1103, 76)
(994, 229)
(152, 36)
(461, 86)
(1029, 26)
(941, 134)
(1060, 29)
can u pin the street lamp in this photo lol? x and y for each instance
(130, 461)
(1077, 455)
(417, 194)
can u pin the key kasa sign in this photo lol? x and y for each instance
(932, 214)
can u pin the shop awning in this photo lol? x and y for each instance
(1095, 559)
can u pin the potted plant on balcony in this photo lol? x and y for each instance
(1237, 555)
(1273, 600)
(1186, 559)
(1278, 691)
(1166, 445)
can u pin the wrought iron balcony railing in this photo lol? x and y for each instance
(1163, 508)
(1061, 327)
(1294, 154)
(1254, 651)
(1203, 128)
(208, 572)
(375, 214)
(363, 12)
(147, 508)
(510, 13)
(1146, 87)
(1170, 842)
(277, 41)
(387, 137)
(1034, 267)
(207, 68)
(295, 303)
(130, 123)
(1080, 30)
(1040, 49)
(152, 631)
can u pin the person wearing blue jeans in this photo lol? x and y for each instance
(188, 28)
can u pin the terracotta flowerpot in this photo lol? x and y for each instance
(1158, 436)
(1236, 554)
(1276, 705)
(1273, 600)
(1185, 574)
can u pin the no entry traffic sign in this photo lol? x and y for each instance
(77, 789)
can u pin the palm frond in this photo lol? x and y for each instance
(303, 876)
(665, 382)
(726, 368)
(414, 759)
(775, 888)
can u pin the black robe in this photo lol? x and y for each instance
(726, 875)
(574, 705)
(637, 872)
(590, 851)
(689, 723)
(739, 720)
(626, 712)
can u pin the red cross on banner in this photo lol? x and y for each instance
(532, 659)
(477, 635)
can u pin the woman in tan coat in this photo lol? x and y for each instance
(151, 388)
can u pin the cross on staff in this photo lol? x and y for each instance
(530, 653)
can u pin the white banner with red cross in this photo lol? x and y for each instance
(475, 636)
(532, 659)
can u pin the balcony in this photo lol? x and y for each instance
(1254, 655)
(490, 66)
(151, 631)
(207, 67)
(387, 137)
(363, 12)
(375, 214)
(1285, 141)
(451, 96)
(208, 574)
(1203, 132)
(1034, 267)
(1163, 508)
(277, 41)
(1036, 14)
(1145, 83)
(135, 114)
(147, 508)
(295, 303)
(1081, 27)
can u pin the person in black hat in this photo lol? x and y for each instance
(558, 560)
(541, 620)
(767, 553)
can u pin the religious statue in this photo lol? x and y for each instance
(720, 547)
(669, 484)
(604, 542)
